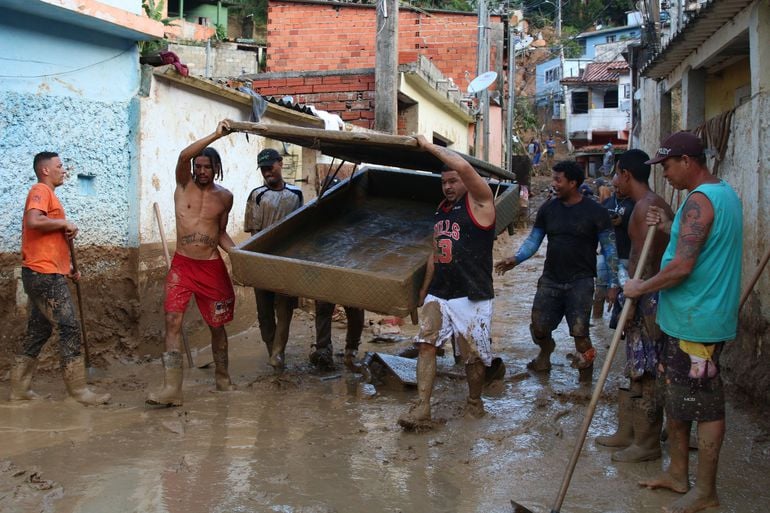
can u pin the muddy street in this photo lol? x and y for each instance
(310, 442)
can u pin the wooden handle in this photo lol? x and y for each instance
(603, 376)
(162, 234)
(83, 336)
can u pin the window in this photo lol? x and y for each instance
(580, 102)
(611, 39)
(552, 75)
(611, 99)
(626, 91)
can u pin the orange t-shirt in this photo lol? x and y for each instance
(44, 252)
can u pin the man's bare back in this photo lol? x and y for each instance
(201, 206)
(637, 230)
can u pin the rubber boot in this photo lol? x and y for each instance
(322, 357)
(349, 359)
(542, 363)
(624, 435)
(474, 373)
(221, 374)
(418, 415)
(648, 421)
(21, 378)
(75, 379)
(171, 393)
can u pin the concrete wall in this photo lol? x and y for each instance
(71, 90)
(172, 117)
(435, 118)
(721, 90)
(225, 59)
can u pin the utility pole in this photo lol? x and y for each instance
(511, 111)
(386, 67)
(482, 66)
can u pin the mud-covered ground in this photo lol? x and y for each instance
(310, 442)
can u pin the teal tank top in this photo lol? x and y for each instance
(704, 307)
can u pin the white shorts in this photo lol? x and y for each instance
(467, 323)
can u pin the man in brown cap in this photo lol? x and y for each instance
(699, 283)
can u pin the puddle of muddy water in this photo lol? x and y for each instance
(328, 443)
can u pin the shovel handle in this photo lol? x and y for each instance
(84, 338)
(628, 303)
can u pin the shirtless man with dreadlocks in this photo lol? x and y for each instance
(202, 208)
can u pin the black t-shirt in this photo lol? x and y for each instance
(573, 234)
(623, 208)
(462, 257)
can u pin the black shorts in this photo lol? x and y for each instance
(691, 399)
(554, 300)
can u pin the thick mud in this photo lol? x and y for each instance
(309, 442)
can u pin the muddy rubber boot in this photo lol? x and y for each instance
(474, 373)
(75, 379)
(21, 379)
(171, 393)
(221, 374)
(624, 435)
(418, 416)
(648, 422)
(542, 363)
(349, 359)
(322, 357)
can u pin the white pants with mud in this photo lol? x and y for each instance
(468, 322)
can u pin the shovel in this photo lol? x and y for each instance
(84, 338)
(628, 303)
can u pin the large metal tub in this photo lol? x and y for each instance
(363, 244)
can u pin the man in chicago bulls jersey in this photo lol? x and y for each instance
(457, 291)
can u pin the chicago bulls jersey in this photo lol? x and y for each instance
(462, 253)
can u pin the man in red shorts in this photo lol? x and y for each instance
(202, 208)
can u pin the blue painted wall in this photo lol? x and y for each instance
(592, 39)
(543, 89)
(70, 90)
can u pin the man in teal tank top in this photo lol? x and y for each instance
(699, 284)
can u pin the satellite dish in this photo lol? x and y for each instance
(481, 82)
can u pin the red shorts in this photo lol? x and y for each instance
(208, 280)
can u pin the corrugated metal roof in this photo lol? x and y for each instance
(699, 28)
(600, 72)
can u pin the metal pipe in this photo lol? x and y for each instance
(511, 95)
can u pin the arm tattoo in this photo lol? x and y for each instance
(693, 232)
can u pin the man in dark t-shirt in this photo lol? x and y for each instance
(574, 226)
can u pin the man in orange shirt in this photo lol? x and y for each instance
(45, 265)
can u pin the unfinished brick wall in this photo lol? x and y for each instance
(304, 36)
(349, 95)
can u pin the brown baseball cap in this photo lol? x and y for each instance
(676, 145)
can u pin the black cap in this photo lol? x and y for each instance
(678, 144)
(268, 157)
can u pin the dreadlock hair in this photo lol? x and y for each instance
(216, 161)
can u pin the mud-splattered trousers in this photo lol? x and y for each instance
(554, 301)
(50, 305)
